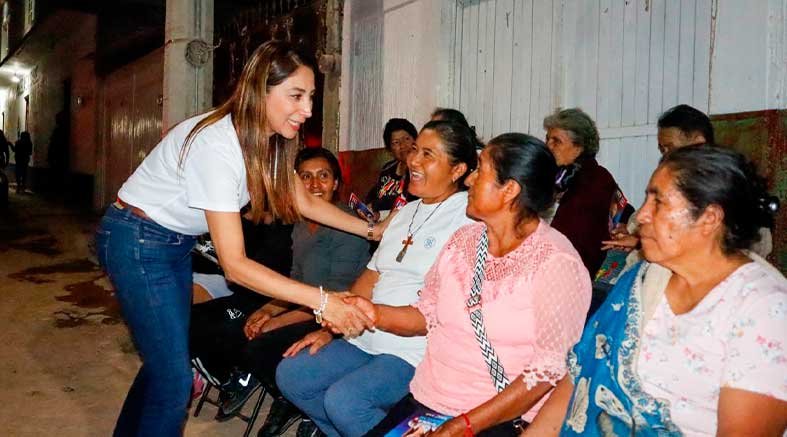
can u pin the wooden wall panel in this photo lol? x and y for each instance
(623, 62)
(509, 63)
(519, 91)
(391, 70)
(366, 75)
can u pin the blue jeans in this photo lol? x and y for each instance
(150, 267)
(342, 388)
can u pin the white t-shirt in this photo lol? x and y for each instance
(213, 177)
(735, 337)
(399, 283)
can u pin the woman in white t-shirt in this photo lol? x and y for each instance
(348, 385)
(195, 180)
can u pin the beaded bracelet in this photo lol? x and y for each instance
(321, 309)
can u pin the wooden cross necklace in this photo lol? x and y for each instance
(409, 240)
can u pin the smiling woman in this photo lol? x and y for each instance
(197, 179)
(502, 303)
(338, 383)
(398, 137)
(319, 170)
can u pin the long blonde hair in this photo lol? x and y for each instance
(269, 161)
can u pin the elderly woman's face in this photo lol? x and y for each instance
(432, 177)
(318, 177)
(667, 229)
(562, 147)
(485, 196)
(401, 144)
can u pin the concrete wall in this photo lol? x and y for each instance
(130, 122)
(84, 106)
(68, 60)
(13, 108)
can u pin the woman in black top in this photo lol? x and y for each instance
(399, 137)
(22, 151)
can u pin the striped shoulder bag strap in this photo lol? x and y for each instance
(493, 364)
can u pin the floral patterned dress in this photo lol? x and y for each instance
(641, 370)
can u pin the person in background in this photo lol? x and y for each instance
(58, 152)
(23, 149)
(501, 306)
(399, 137)
(268, 242)
(231, 339)
(449, 114)
(5, 155)
(347, 385)
(682, 126)
(456, 116)
(219, 303)
(585, 189)
(690, 341)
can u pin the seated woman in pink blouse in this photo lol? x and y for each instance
(501, 306)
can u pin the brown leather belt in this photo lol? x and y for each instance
(134, 210)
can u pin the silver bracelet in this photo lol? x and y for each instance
(323, 303)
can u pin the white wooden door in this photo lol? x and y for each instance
(622, 61)
(390, 68)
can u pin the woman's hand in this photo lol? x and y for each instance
(255, 322)
(380, 227)
(621, 239)
(364, 304)
(623, 242)
(316, 340)
(346, 318)
(273, 324)
(452, 428)
(376, 213)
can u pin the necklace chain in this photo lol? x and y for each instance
(410, 234)
(409, 240)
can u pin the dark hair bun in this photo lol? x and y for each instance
(527, 161)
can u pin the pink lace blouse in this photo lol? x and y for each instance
(535, 299)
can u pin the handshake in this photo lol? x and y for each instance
(349, 314)
(346, 313)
